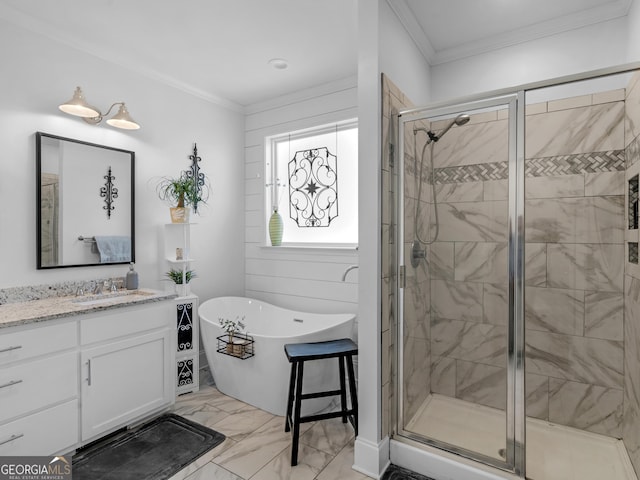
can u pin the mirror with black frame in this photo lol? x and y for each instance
(84, 203)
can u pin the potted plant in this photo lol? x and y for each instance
(181, 192)
(177, 276)
(234, 347)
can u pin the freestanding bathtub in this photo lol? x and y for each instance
(263, 380)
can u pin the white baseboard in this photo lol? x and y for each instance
(371, 459)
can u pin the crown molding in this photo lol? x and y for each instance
(413, 28)
(592, 16)
(44, 29)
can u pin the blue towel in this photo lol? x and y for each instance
(114, 248)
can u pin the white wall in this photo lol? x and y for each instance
(633, 35)
(589, 48)
(301, 279)
(39, 74)
(401, 60)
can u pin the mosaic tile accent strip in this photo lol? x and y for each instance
(472, 173)
(610, 161)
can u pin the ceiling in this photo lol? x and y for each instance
(220, 49)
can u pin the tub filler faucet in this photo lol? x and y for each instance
(349, 268)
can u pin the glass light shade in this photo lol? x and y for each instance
(122, 119)
(79, 107)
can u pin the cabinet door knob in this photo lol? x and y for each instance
(12, 438)
(89, 372)
(10, 382)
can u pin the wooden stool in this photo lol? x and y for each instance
(298, 353)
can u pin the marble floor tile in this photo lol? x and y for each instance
(240, 425)
(340, 467)
(250, 454)
(329, 436)
(310, 463)
(212, 471)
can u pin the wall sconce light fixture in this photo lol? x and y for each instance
(79, 107)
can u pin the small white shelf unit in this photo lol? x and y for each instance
(178, 236)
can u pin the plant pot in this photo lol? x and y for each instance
(275, 229)
(179, 214)
(236, 348)
(183, 289)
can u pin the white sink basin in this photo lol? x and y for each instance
(107, 297)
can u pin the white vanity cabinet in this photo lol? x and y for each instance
(127, 367)
(68, 381)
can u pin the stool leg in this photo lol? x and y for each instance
(292, 382)
(343, 390)
(354, 394)
(296, 415)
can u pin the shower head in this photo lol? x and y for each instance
(433, 137)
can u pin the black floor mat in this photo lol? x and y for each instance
(155, 451)
(398, 473)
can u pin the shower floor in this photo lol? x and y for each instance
(554, 452)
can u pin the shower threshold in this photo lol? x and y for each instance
(554, 452)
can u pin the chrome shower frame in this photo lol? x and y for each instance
(515, 411)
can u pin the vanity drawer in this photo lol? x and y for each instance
(124, 322)
(17, 345)
(33, 385)
(48, 432)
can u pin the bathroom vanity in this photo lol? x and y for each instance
(72, 371)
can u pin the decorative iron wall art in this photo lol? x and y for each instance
(109, 193)
(313, 187)
(197, 176)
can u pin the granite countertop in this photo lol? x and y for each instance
(21, 313)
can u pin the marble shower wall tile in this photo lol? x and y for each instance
(416, 375)
(496, 190)
(460, 192)
(586, 266)
(416, 310)
(604, 183)
(475, 222)
(537, 396)
(604, 315)
(554, 187)
(631, 423)
(469, 341)
(456, 300)
(441, 261)
(443, 376)
(588, 407)
(632, 110)
(554, 310)
(579, 359)
(594, 128)
(495, 304)
(482, 384)
(535, 264)
(473, 144)
(481, 262)
(575, 220)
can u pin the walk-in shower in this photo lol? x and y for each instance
(516, 342)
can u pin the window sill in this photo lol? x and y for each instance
(313, 248)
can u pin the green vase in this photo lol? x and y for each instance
(275, 229)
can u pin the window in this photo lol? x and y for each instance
(314, 184)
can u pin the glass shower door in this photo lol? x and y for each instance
(457, 337)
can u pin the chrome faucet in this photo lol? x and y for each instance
(349, 268)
